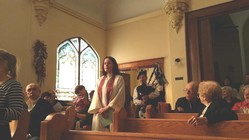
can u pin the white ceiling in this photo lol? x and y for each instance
(111, 11)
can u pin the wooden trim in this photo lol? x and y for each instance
(97, 135)
(78, 15)
(147, 63)
(194, 36)
(135, 19)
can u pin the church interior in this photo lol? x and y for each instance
(194, 40)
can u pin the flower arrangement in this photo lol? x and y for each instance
(40, 55)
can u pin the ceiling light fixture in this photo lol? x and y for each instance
(176, 10)
(41, 8)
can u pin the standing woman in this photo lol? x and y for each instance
(108, 96)
(11, 96)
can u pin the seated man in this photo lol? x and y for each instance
(38, 108)
(191, 102)
(144, 94)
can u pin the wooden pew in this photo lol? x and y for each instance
(241, 116)
(19, 128)
(91, 135)
(173, 115)
(55, 128)
(236, 128)
(164, 107)
(53, 121)
(150, 113)
(70, 115)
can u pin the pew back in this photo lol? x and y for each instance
(19, 128)
(70, 115)
(241, 116)
(91, 135)
(235, 128)
(173, 115)
(239, 129)
(151, 113)
(53, 126)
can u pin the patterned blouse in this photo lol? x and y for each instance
(81, 104)
(242, 107)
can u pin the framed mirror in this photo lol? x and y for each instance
(216, 42)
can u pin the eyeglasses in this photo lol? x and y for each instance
(187, 90)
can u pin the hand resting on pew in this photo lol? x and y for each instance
(197, 120)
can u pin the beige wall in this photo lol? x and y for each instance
(20, 30)
(148, 36)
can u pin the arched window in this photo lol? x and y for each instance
(77, 64)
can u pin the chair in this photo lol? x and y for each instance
(19, 128)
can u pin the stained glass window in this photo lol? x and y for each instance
(77, 64)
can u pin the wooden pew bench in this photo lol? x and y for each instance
(91, 135)
(236, 128)
(150, 113)
(19, 128)
(56, 128)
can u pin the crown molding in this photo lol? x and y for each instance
(93, 22)
(78, 15)
(138, 18)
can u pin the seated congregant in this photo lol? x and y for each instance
(215, 108)
(51, 98)
(227, 95)
(228, 82)
(81, 104)
(38, 108)
(191, 102)
(246, 82)
(243, 107)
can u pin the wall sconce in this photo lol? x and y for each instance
(41, 8)
(176, 9)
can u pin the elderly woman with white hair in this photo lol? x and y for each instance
(227, 95)
(215, 109)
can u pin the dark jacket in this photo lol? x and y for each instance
(194, 106)
(38, 114)
(218, 111)
(143, 90)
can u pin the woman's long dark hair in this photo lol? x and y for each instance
(115, 69)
